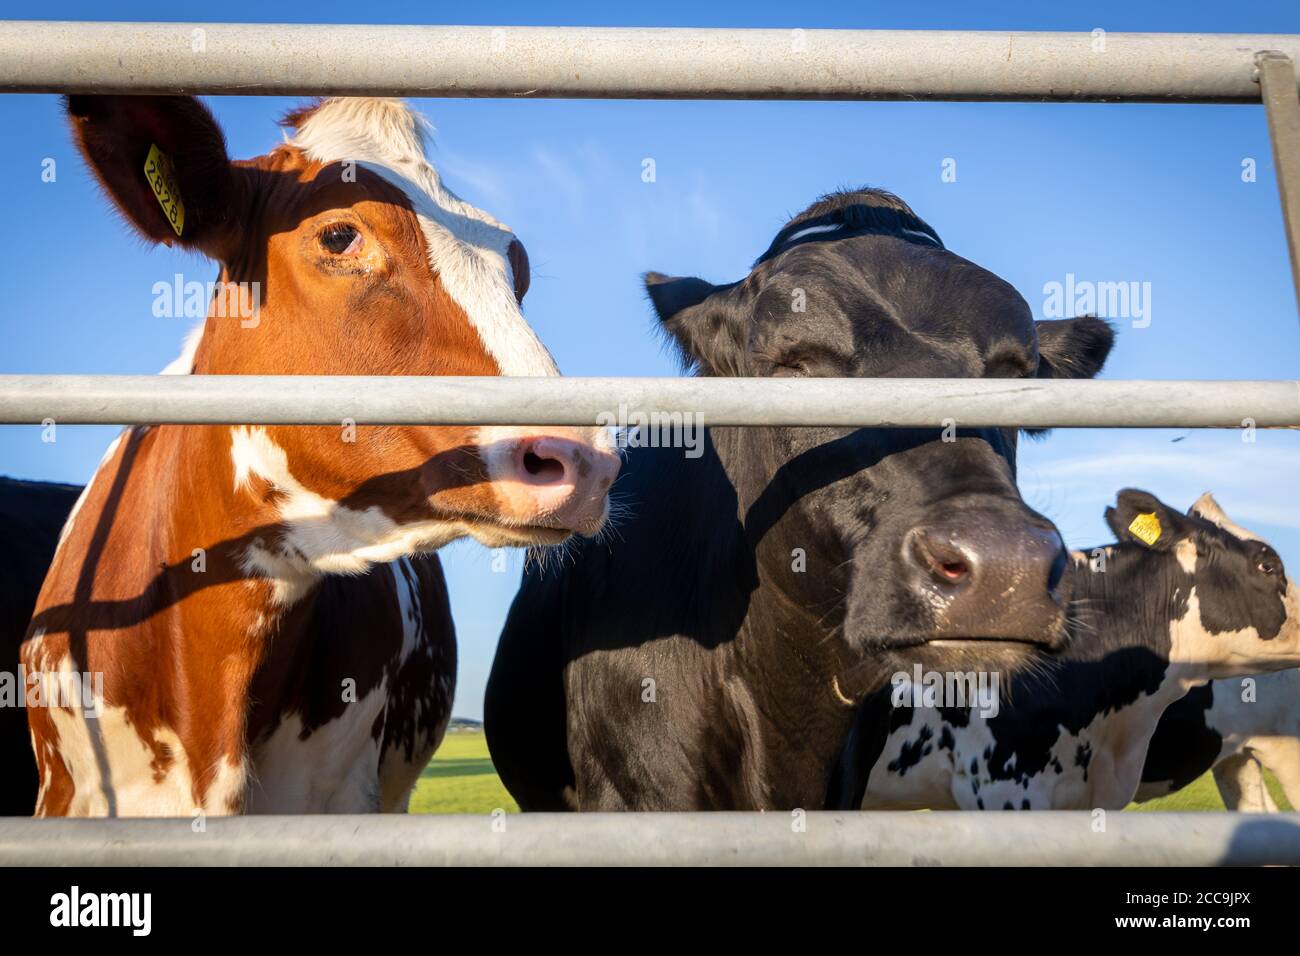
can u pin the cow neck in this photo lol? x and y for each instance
(260, 616)
(198, 608)
(1126, 734)
(1137, 625)
(1125, 737)
(792, 659)
(795, 669)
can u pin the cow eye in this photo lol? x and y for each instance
(341, 239)
(1267, 566)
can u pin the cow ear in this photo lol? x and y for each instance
(700, 323)
(1206, 507)
(1141, 518)
(162, 160)
(1073, 348)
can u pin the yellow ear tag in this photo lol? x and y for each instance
(161, 174)
(1146, 528)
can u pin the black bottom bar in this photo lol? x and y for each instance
(412, 909)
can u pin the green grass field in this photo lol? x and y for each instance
(461, 779)
(1202, 794)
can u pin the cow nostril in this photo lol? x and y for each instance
(1057, 571)
(954, 570)
(547, 470)
(942, 560)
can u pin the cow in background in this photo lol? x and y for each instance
(1220, 727)
(31, 516)
(1180, 599)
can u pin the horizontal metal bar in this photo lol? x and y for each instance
(631, 63)
(661, 839)
(917, 402)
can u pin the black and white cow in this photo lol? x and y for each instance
(712, 651)
(1237, 728)
(1180, 599)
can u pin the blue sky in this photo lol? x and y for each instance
(1140, 193)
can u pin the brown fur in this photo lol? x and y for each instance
(209, 655)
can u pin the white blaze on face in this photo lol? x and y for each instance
(467, 247)
(468, 251)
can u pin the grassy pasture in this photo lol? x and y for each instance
(1202, 794)
(461, 779)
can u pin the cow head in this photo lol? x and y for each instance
(1233, 610)
(924, 549)
(341, 253)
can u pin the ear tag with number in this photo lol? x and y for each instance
(160, 173)
(1146, 528)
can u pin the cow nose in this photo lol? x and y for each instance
(547, 461)
(990, 579)
(553, 481)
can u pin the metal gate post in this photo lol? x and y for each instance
(1282, 105)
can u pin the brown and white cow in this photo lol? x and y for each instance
(272, 629)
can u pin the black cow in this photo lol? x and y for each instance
(1237, 728)
(1180, 599)
(31, 515)
(710, 653)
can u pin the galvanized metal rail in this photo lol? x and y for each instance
(1277, 78)
(447, 400)
(631, 63)
(665, 839)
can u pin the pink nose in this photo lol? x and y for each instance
(555, 482)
